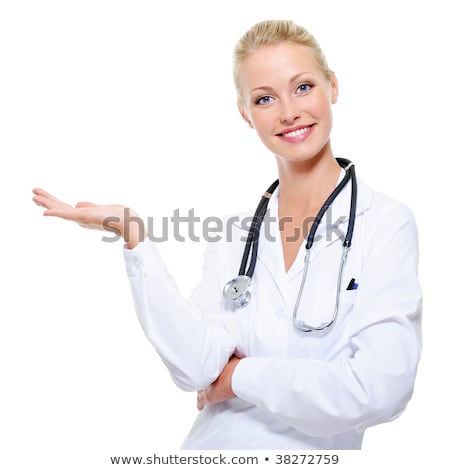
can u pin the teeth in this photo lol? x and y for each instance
(297, 132)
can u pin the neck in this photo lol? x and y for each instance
(305, 186)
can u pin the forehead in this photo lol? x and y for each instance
(277, 63)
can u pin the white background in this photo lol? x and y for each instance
(133, 102)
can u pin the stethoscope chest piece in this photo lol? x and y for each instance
(237, 291)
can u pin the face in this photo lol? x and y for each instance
(287, 99)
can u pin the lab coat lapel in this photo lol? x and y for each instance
(331, 230)
(270, 252)
(334, 224)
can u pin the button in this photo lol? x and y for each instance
(134, 262)
(279, 313)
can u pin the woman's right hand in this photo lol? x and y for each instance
(114, 217)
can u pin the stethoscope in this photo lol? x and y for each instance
(237, 290)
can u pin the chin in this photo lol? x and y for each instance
(301, 156)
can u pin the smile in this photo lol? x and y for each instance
(296, 135)
(297, 132)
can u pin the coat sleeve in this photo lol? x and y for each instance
(189, 336)
(373, 380)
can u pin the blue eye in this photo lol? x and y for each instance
(304, 87)
(264, 100)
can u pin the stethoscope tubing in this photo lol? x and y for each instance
(303, 326)
(237, 289)
(253, 234)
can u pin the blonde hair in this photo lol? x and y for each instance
(274, 32)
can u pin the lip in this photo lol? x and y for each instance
(296, 138)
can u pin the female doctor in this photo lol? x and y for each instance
(316, 334)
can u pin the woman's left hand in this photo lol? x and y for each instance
(220, 390)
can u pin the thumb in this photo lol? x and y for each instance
(84, 204)
(201, 400)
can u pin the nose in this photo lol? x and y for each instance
(289, 111)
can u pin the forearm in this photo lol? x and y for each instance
(320, 398)
(372, 378)
(194, 349)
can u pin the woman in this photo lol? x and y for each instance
(263, 383)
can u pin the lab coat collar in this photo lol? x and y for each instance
(332, 228)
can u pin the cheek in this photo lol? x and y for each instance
(263, 135)
(321, 106)
(323, 114)
(262, 123)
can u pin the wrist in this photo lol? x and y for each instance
(133, 229)
(233, 363)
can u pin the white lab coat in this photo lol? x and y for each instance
(294, 390)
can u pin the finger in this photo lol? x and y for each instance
(46, 198)
(45, 194)
(201, 400)
(62, 213)
(51, 204)
(84, 204)
(43, 201)
(38, 202)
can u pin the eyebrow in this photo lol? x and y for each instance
(293, 79)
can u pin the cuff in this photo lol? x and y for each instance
(142, 260)
(246, 377)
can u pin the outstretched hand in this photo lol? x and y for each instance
(220, 390)
(93, 216)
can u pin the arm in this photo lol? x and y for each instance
(374, 380)
(188, 335)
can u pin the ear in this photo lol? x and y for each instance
(244, 115)
(334, 88)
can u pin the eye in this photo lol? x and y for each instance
(264, 100)
(304, 87)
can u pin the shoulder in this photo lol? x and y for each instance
(234, 226)
(227, 231)
(387, 219)
(382, 207)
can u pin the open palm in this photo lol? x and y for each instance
(87, 214)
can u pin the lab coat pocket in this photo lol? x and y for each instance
(332, 341)
(346, 301)
(318, 307)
